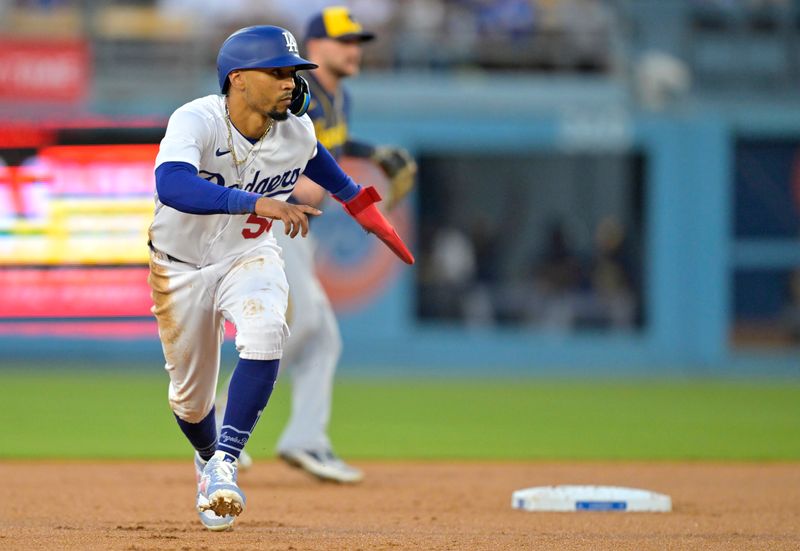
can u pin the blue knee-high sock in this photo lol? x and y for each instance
(202, 435)
(249, 391)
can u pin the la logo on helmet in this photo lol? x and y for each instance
(291, 43)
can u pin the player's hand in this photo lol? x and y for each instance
(400, 167)
(294, 217)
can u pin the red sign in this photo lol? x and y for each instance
(44, 71)
(112, 329)
(74, 292)
(25, 135)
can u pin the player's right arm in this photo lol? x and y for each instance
(179, 186)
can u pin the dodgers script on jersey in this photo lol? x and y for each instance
(197, 134)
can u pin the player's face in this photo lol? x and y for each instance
(269, 91)
(341, 57)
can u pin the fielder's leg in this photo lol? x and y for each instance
(311, 356)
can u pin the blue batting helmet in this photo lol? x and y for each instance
(259, 47)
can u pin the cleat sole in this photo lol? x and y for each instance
(218, 527)
(224, 503)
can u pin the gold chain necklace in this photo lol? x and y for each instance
(236, 162)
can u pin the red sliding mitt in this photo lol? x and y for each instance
(362, 208)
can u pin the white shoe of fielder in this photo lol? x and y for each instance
(245, 461)
(322, 464)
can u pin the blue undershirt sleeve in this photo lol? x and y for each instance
(326, 172)
(179, 187)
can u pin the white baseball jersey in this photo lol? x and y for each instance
(197, 134)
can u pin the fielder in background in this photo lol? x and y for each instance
(224, 170)
(333, 41)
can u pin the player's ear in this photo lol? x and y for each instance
(236, 80)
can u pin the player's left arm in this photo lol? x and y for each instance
(397, 163)
(307, 192)
(359, 202)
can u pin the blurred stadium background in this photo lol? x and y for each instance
(607, 189)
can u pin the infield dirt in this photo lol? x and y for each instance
(401, 505)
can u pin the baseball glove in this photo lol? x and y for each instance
(400, 167)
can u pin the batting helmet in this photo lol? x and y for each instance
(259, 47)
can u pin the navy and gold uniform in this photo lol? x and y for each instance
(330, 114)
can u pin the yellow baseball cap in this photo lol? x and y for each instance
(336, 22)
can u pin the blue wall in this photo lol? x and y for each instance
(688, 209)
(689, 244)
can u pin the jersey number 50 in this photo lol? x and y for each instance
(262, 225)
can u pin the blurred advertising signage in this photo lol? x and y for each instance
(73, 232)
(75, 292)
(44, 70)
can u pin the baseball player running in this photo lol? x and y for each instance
(333, 41)
(223, 172)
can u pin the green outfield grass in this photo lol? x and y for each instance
(60, 414)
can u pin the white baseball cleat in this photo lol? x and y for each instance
(218, 486)
(245, 461)
(209, 518)
(322, 464)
